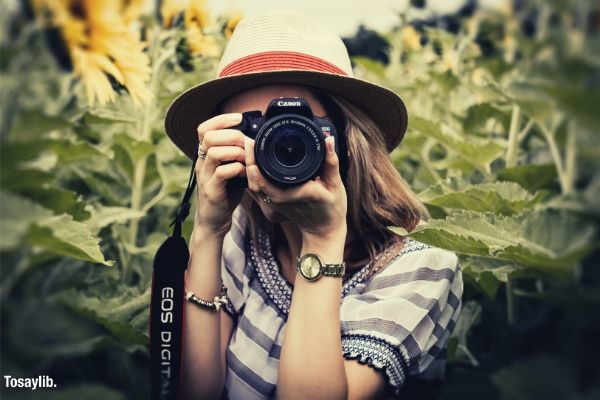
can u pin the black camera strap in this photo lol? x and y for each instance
(166, 305)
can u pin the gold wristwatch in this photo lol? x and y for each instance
(311, 268)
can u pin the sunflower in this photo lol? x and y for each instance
(169, 10)
(232, 20)
(197, 22)
(101, 40)
(411, 39)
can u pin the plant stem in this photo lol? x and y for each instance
(562, 175)
(152, 202)
(9, 282)
(425, 157)
(145, 131)
(513, 137)
(510, 302)
(525, 130)
(570, 162)
(136, 196)
(132, 305)
(123, 255)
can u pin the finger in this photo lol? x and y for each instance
(259, 184)
(218, 122)
(250, 165)
(216, 183)
(312, 190)
(217, 155)
(223, 137)
(249, 147)
(252, 178)
(308, 191)
(330, 174)
(228, 171)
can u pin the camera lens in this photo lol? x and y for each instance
(289, 149)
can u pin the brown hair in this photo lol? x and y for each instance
(378, 196)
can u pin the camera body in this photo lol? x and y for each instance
(289, 144)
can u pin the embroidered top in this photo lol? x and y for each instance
(396, 320)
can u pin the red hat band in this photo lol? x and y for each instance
(279, 60)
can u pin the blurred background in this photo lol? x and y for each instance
(502, 147)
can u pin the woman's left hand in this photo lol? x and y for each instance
(318, 207)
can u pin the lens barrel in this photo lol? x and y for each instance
(289, 149)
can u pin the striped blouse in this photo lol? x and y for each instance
(397, 321)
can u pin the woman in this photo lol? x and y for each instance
(363, 333)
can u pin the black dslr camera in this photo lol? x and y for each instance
(289, 141)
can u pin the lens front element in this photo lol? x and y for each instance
(289, 149)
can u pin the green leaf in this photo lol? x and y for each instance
(487, 274)
(174, 178)
(121, 110)
(95, 128)
(531, 177)
(114, 313)
(503, 198)
(103, 216)
(551, 242)
(16, 214)
(447, 80)
(105, 185)
(42, 330)
(370, 65)
(478, 152)
(583, 202)
(477, 115)
(39, 186)
(67, 151)
(137, 149)
(32, 124)
(121, 330)
(62, 235)
(411, 145)
(533, 101)
(579, 102)
(470, 316)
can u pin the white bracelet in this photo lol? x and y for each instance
(214, 305)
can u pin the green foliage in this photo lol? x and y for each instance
(498, 197)
(478, 152)
(502, 147)
(547, 241)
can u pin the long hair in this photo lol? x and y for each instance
(378, 196)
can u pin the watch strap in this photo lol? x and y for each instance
(335, 270)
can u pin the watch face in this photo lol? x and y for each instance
(310, 266)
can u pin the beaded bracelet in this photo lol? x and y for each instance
(214, 305)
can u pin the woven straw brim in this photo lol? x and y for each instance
(198, 103)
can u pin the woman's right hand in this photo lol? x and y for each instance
(225, 159)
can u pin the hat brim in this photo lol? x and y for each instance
(198, 103)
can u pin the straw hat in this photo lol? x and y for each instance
(283, 47)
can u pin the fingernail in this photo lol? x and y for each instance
(330, 143)
(235, 117)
